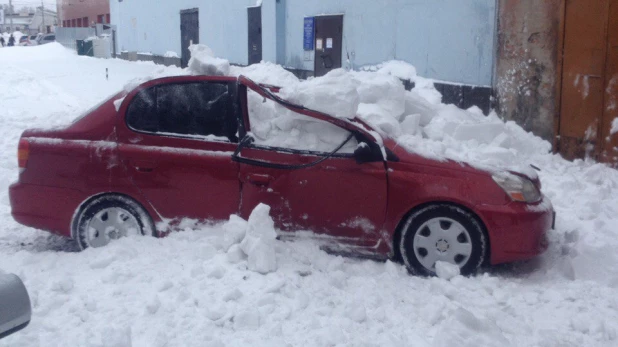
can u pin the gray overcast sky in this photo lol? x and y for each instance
(20, 3)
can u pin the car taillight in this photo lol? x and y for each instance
(23, 152)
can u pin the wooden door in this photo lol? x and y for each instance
(585, 52)
(610, 115)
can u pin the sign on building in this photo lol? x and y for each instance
(309, 33)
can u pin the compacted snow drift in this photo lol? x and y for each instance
(233, 284)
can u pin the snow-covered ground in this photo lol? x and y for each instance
(197, 287)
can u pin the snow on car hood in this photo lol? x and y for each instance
(416, 120)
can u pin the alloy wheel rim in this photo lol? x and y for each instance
(110, 224)
(442, 239)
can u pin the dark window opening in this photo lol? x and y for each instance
(190, 109)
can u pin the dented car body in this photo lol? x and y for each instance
(146, 150)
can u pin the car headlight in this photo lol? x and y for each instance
(518, 188)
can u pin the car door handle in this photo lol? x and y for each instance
(144, 165)
(259, 179)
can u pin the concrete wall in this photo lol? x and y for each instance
(451, 40)
(143, 27)
(527, 67)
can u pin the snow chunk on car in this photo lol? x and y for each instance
(204, 62)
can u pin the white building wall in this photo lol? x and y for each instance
(154, 27)
(450, 40)
(51, 20)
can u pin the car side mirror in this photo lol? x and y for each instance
(366, 153)
(15, 309)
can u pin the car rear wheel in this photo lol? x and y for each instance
(442, 233)
(109, 218)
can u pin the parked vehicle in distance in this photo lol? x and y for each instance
(45, 39)
(15, 308)
(34, 39)
(195, 147)
(25, 41)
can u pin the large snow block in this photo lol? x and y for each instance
(259, 241)
(204, 62)
(483, 133)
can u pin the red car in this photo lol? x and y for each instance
(190, 146)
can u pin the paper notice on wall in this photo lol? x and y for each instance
(319, 44)
(329, 42)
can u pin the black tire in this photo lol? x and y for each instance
(416, 224)
(89, 211)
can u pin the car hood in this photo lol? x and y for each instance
(404, 156)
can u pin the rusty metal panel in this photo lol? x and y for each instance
(610, 142)
(585, 53)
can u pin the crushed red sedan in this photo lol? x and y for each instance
(204, 147)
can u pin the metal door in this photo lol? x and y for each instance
(189, 33)
(328, 43)
(254, 16)
(589, 66)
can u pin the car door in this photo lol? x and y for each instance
(296, 166)
(176, 141)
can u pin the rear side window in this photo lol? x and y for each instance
(198, 109)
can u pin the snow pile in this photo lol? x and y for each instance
(252, 241)
(466, 330)
(259, 241)
(204, 62)
(416, 119)
(446, 270)
(196, 288)
(171, 54)
(614, 129)
(274, 125)
(16, 34)
(267, 73)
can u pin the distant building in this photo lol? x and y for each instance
(83, 13)
(43, 21)
(31, 23)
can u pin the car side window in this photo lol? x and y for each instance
(187, 109)
(142, 113)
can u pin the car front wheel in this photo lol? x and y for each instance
(109, 218)
(442, 233)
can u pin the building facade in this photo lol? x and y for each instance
(496, 54)
(42, 20)
(83, 13)
(425, 33)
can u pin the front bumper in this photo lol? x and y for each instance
(46, 208)
(517, 231)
